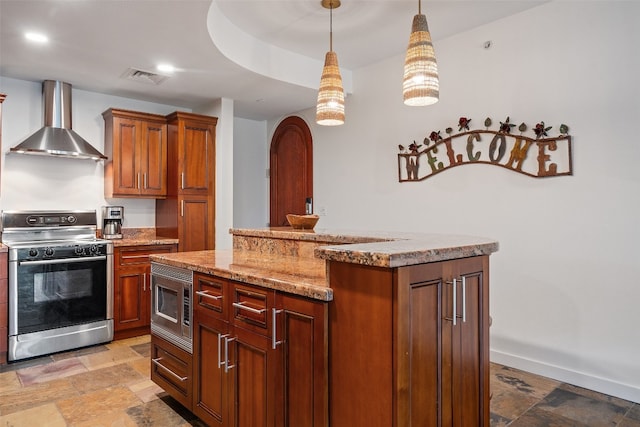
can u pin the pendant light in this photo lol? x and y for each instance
(330, 106)
(420, 85)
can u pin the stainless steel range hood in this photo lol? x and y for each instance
(57, 138)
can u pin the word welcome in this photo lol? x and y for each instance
(538, 158)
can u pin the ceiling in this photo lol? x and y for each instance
(92, 43)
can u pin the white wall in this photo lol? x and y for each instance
(564, 285)
(250, 182)
(223, 110)
(34, 182)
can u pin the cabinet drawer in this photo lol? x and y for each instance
(139, 254)
(210, 295)
(171, 369)
(251, 307)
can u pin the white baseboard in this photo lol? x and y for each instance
(581, 379)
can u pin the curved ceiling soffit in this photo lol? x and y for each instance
(267, 60)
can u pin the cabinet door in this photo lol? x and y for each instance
(254, 367)
(196, 154)
(419, 346)
(211, 398)
(131, 298)
(132, 288)
(196, 225)
(302, 332)
(153, 159)
(465, 345)
(126, 180)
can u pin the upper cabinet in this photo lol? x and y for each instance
(136, 144)
(188, 211)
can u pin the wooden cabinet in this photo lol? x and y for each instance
(396, 356)
(171, 368)
(136, 144)
(188, 212)
(260, 357)
(132, 289)
(4, 313)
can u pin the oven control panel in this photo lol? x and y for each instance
(69, 250)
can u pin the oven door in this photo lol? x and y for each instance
(171, 310)
(51, 294)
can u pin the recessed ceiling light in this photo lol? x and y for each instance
(36, 37)
(166, 68)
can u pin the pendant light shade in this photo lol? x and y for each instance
(330, 105)
(421, 85)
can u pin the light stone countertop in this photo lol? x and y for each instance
(141, 237)
(307, 275)
(292, 274)
(381, 249)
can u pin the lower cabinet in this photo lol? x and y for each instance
(132, 289)
(260, 356)
(171, 369)
(410, 346)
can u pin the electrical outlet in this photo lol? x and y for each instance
(322, 210)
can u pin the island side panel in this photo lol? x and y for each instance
(360, 346)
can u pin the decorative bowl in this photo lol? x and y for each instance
(303, 222)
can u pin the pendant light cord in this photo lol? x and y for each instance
(331, 26)
(419, 7)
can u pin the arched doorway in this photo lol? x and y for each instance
(291, 165)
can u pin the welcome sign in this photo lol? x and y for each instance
(539, 156)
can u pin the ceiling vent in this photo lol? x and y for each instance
(144, 76)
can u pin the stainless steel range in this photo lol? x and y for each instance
(60, 282)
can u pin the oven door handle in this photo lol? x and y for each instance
(63, 260)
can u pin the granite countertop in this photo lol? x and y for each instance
(296, 275)
(307, 275)
(381, 249)
(141, 237)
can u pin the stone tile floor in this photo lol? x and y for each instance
(109, 386)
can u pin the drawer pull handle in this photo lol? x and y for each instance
(135, 256)
(274, 341)
(464, 299)
(220, 362)
(242, 306)
(227, 366)
(208, 295)
(157, 363)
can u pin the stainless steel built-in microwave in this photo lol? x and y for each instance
(171, 311)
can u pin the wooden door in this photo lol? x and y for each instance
(291, 158)
(303, 337)
(254, 369)
(196, 156)
(418, 347)
(153, 159)
(131, 298)
(125, 157)
(211, 399)
(196, 226)
(465, 345)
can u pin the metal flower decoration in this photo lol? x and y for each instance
(505, 126)
(435, 136)
(463, 123)
(540, 130)
(414, 147)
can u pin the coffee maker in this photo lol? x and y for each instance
(112, 217)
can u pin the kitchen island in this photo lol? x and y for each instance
(339, 328)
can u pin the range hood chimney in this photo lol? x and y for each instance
(57, 138)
